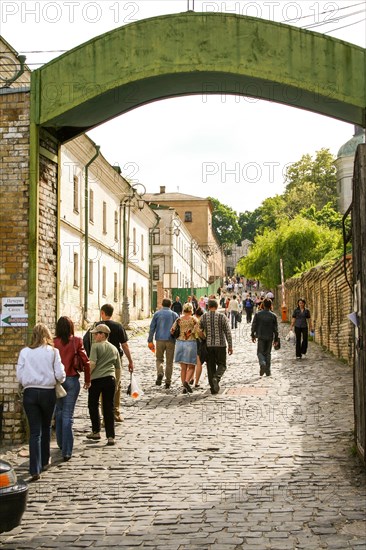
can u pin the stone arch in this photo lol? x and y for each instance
(198, 53)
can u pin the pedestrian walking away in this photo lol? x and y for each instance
(216, 329)
(186, 346)
(265, 330)
(104, 360)
(75, 360)
(118, 337)
(39, 367)
(299, 321)
(233, 310)
(160, 326)
(249, 306)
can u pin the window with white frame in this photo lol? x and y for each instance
(104, 218)
(76, 195)
(91, 276)
(116, 225)
(142, 247)
(91, 205)
(134, 294)
(142, 298)
(104, 281)
(115, 287)
(76, 270)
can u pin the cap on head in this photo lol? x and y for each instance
(101, 328)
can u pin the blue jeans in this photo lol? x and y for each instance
(65, 415)
(264, 348)
(39, 405)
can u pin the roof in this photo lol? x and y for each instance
(164, 197)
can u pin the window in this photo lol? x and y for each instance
(142, 298)
(76, 270)
(134, 293)
(76, 194)
(142, 247)
(115, 225)
(104, 218)
(187, 216)
(155, 273)
(91, 276)
(104, 281)
(91, 205)
(134, 241)
(115, 287)
(156, 236)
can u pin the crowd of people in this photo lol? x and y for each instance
(191, 334)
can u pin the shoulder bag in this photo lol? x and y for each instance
(59, 389)
(77, 362)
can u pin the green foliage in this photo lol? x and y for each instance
(295, 242)
(320, 173)
(225, 223)
(326, 216)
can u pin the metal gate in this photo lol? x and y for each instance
(359, 286)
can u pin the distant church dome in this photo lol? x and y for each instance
(349, 148)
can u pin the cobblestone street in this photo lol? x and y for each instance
(266, 464)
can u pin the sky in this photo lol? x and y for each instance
(233, 148)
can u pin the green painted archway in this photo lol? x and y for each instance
(198, 53)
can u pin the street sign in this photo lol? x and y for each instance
(13, 306)
(9, 320)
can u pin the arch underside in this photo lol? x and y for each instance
(185, 54)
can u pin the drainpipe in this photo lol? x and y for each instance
(151, 231)
(86, 246)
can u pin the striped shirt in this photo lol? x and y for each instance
(217, 329)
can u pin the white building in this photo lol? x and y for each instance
(94, 196)
(178, 261)
(344, 164)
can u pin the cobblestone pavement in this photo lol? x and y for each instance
(266, 464)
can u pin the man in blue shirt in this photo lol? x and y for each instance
(160, 326)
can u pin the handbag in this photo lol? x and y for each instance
(59, 389)
(77, 362)
(277, 344)
(176, 331)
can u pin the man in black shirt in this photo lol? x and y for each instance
(265, 329)
(177, 306)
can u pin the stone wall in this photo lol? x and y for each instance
(14, 203)
(329, 299)
(47, 236)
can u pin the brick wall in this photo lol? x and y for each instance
(14, 263)
(329, 299)
(47, 240)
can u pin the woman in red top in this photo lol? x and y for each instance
(72, 351)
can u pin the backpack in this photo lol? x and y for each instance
(248, 303)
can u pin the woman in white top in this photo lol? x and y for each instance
(39, 366)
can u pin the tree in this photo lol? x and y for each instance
(321, 172)
(326, 216)
(225, 223)
(296, 241)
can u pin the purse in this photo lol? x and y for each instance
(176, 333)
(59, 389)
(277, 344)
(77, 362)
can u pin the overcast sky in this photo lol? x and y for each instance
(233, 148)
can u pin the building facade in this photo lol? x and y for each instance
(92, 262)
(196, 216)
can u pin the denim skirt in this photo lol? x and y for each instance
(186, 352)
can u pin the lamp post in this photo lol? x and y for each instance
(129, 199)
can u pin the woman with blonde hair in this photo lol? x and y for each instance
(75, 360)
(186, 345)
(39, 367)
